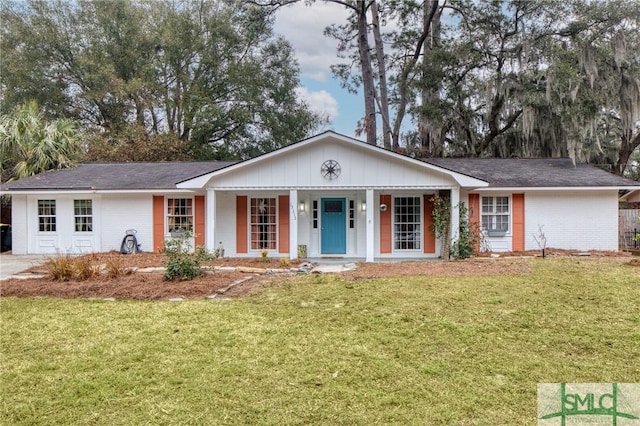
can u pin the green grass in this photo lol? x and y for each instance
(323, 350)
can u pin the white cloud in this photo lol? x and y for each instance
(320, 102)
(303, 27)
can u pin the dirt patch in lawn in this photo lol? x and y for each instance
(634, 262)
(152, 286)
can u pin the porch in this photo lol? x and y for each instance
(355, 224)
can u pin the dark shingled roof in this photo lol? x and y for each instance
(117, 176)
(510, 172)
(532, 172)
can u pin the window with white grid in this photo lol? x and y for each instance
(263, 224)
(495, 214)
(179, 214)
(407, 223)
(83, 215)
(47, 215)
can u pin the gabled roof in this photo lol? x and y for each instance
(116, 176)
(533, 172)
(469, 172)
(462, 179)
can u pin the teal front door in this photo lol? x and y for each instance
(334, 226)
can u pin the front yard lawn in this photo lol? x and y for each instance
(322, 349)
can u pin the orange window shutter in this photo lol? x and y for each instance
(158, 223)
(385, 225)
(429, 236)
(199, 220)
(474, 208)
(283, 224)
(241, 224)
(518, 222)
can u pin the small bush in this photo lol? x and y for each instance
(60, 267)
(284, 262)
(184, 268)
(264, 256)
(181, 264)
(204, 255)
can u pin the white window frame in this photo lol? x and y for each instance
(271, 244)
(47, 219)
(170, 215)
(418, 243)
(86, 220)
(494, 213)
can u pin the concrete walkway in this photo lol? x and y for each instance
(12, 264)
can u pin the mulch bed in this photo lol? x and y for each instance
(152, 286)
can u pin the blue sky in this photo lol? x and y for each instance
(303, 27)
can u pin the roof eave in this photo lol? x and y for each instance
(557, 188)
(32, 191)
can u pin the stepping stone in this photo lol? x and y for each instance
(225, 268)
(251, 270)
(152, 269)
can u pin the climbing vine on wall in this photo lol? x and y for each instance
(468, 234)
(442, 221)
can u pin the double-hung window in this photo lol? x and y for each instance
(263, 224)
(407, 230)
(495, 214)
(47, 215)
(179, 214)
(83, 215)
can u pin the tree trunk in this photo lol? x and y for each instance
(367, 75)
(407, 69)
(430, 127)
(627, 147)
(382, 77)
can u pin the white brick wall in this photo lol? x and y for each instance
(576, 220)
(126, 211)
(19, 227)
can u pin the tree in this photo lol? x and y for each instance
(212, 73)
(30, 145)
(500, 78)
(353, 43)
(134, 143)
(600, 115)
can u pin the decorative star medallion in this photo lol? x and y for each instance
(330, 169)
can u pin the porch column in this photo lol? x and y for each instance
(455, 214)
(293, 224)
(210, 239)
(371, 234)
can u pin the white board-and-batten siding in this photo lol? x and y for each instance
(301, 169)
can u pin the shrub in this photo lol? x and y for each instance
(184, 268)
(181, 264)
(60, 267)
(204, 255)
(284, 262)
(264, 256)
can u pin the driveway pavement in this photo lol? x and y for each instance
(12, 264)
